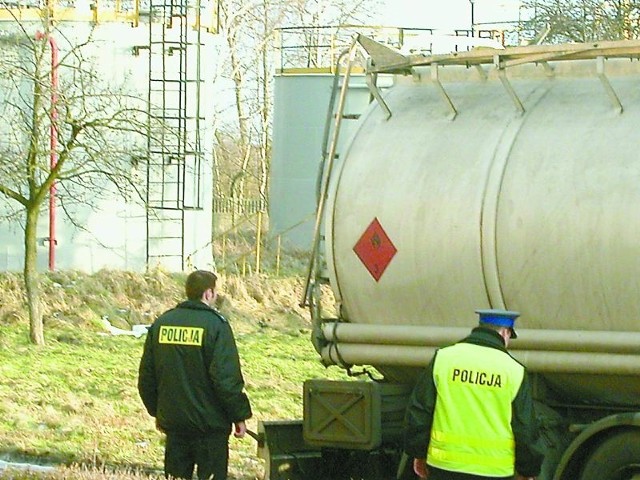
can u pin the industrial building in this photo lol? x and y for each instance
(154, 50)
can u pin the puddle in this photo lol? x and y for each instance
(24, 466)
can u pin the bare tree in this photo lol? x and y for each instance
(80, 136)
(327, 22)
(250, 31)
(583, 20)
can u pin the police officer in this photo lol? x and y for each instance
(190, 381)
(471, 415)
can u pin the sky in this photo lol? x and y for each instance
(446, 14)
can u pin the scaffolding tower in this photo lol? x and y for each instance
(175, 155)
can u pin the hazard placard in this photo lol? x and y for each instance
(375, 249)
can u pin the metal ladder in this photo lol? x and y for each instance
(311, 293)
(174, 166)
(315, 271)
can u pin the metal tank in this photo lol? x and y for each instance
(491, 178)
(512, 188)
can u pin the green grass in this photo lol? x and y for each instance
(75, 400)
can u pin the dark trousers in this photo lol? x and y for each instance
(437, 474)
(210, 453)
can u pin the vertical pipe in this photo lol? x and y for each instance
(333, 56)
(53, 159)
(473, 19)
(136, 13)
(53, 145)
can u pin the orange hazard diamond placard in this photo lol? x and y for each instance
(375, 250)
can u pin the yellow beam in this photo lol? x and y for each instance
(124, 11)
(73, 14)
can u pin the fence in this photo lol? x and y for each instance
(244, 248)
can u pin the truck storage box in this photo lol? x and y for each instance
(356, 415)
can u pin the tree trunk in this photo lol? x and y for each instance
(31, 281)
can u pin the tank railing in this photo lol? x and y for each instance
(318, 48)
(488, 33)
(557, 351)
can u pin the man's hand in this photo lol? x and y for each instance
(239, 429)
(522, 477)
(158, 427)
(420, 467)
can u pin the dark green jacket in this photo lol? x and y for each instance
(189, 376)
(419, 415)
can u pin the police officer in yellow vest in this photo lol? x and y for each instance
(471, 414)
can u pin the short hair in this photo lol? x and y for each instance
(199, 282)
(497, 328)
(492, 326)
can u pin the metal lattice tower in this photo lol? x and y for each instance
(174, 167)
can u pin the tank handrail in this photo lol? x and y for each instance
(528, 339)
(540, 361)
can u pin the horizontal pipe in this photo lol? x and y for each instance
(432, 336)
(534, 360)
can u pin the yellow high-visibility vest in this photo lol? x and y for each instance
(471, 430)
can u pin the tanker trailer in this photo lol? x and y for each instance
(483, 179)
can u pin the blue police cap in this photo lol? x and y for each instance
(501, 318)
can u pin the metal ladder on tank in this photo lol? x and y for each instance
(315, 273)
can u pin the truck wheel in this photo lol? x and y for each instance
(617, 458)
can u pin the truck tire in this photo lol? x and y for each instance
(617, 458)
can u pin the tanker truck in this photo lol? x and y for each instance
(482, 179)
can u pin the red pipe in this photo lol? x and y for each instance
(53, 145)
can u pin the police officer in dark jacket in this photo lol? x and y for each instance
(471, 413)
(190, 380)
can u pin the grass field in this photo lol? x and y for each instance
(74, 402)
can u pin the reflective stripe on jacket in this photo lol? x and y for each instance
(471, 429)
